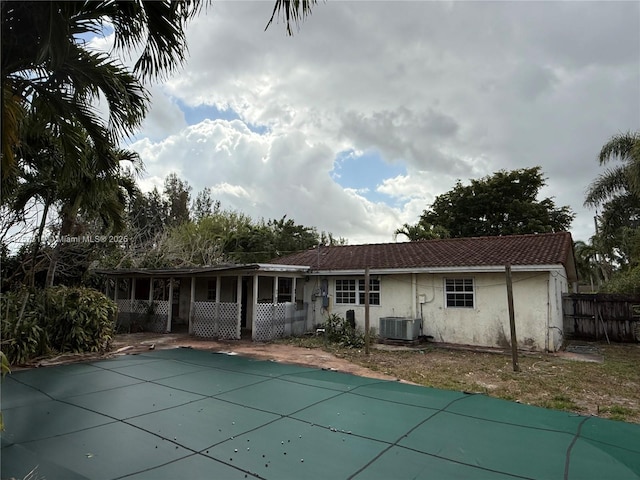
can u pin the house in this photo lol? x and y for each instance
(454, 290)
(260, 301)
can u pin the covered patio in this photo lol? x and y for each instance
(257, 301)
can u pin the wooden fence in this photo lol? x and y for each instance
(600, 316)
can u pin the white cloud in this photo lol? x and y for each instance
(452, 90)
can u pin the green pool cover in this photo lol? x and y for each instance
(191, 414)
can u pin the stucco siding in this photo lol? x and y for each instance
(487, 324)
(537, 300)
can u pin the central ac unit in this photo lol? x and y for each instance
(399, 328)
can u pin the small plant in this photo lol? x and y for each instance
(340, 331)
(562, 402)
(617, 412)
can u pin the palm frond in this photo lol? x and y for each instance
(293, 12)
(623, 147)
(612, 182)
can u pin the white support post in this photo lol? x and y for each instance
(275, 290)
(255, 307)
(170, 308)
(133, 289)
(293, 290)
(150, 290)
(115, 292)
(239, 301)
(192, 304)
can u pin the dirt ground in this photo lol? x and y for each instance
(312, 357)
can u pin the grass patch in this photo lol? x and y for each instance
(562, 402)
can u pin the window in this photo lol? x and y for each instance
(351, 291)
(459, 292)
(284, 289)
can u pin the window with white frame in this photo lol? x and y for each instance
(350, 291)
(459, 292)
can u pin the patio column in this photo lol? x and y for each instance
(115, 293)
(275, 290)
(293, 289)
(133, 289)
(150, 290)
(192, 304)
(255, 307)
(170, 309)
(239, 301)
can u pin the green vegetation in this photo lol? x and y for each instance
(55, 320)
(341, 332)
(504, 203)
(612, 257)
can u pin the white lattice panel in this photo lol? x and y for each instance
(124, 306)
(204, 322)
(151, 318)
(211, 319)
(270, 321)
(228, 321)
(139, 306)
(161, 307)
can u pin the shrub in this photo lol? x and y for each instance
(624, 282)
(62, 319)
(338, 330)
(23, 334)
(79, 319)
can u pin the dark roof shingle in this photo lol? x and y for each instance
(535, 249)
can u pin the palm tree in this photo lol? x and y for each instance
(46, 65)
(93, 193)
(587, 263)
(620, 179)
(421, 231)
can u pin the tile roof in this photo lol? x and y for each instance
(535, 249)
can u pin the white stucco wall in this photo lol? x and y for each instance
(537, 305)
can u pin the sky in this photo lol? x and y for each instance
(373, 108)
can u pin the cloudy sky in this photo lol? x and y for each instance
(371, 109)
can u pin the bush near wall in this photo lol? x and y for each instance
(59, 319)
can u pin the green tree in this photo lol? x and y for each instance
(588, 264)
(504, 203)
(204, 206)
(421, 231)
(621, 179)
(288, 237)
(46, 66)
(617, 193)
(178, 195)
